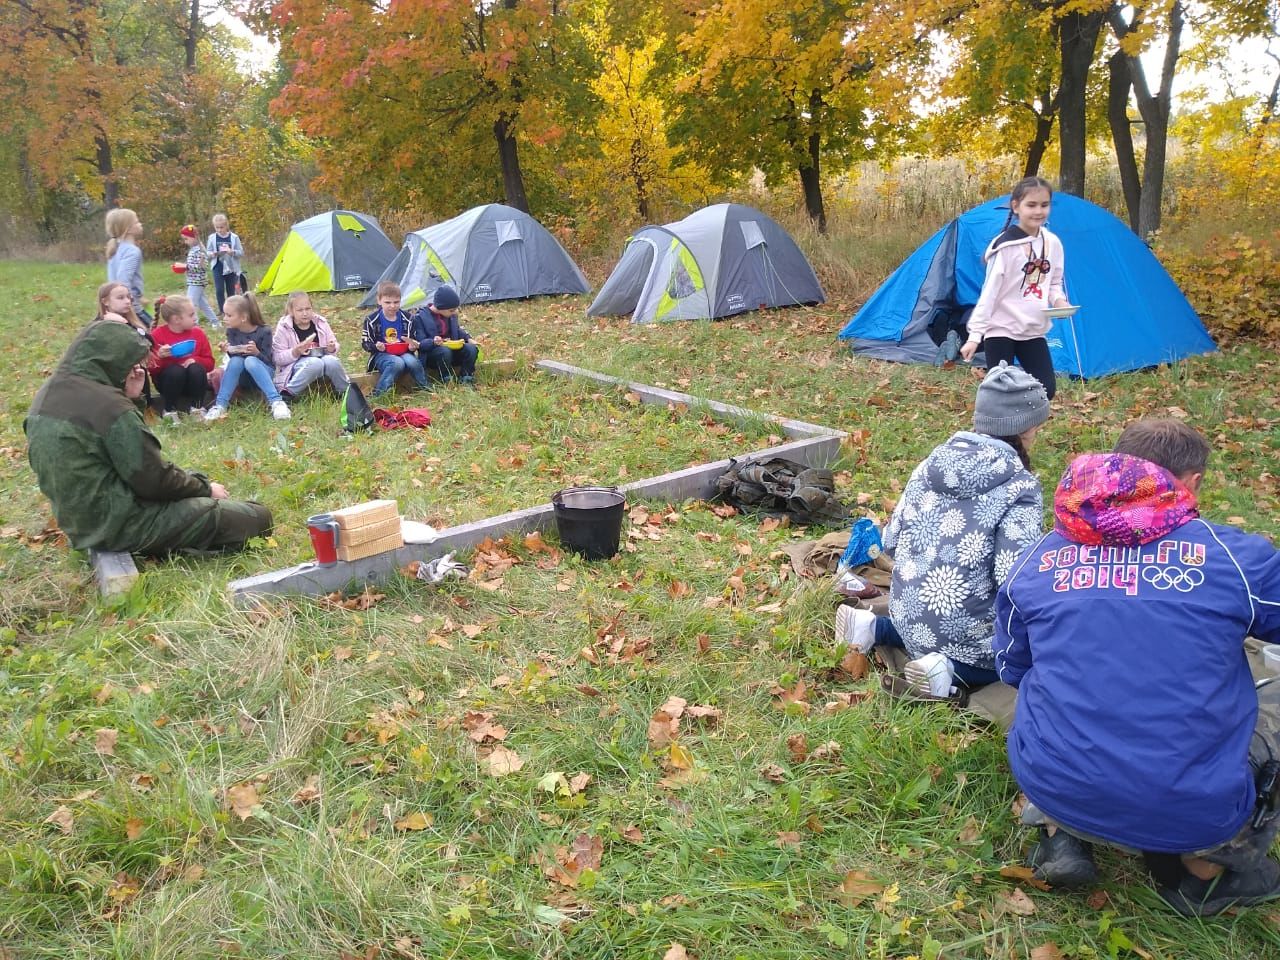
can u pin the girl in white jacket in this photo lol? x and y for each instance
(1024, 278)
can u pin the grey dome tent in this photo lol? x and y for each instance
(338, 250)
(491, 252)
(718, 261)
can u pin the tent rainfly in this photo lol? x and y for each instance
(719, 261)
(490, 252)
(1132, 314)
(338, 250)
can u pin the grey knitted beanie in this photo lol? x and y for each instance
(1009, 402)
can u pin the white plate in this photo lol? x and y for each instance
(1058, 313)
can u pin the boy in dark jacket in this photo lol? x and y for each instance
(437, 330)
(101, 467)
(389, 341)
(1137, 722)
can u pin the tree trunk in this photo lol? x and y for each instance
(193, 34)
(639, 180)
(811, 170)
(1077, 41)
(1155, 109)
(1040, 141)
(1118, 88)
(107, 170)
(509, 155)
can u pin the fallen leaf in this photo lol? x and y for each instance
(855, 664)
(1097, 900)
(415, 821)
(787, 838)
(663, 728)
(578, 782)
(588, 851)
(830, 750)
(552, 781)
(192, 872)
(676, 952)
(242, 798)
(62, 819)
(104, 741)
(773, 773)
(679, 757)
(798, 747)
(133, 828)
(1017, 901)
(1046, 951)
(309, 792)
(704, 643)
(856, 887)
(632, 834)
(1018, 871)
(971, 831)
(501, 762)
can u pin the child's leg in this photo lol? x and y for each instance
(200, 301)
(414, 366)
(230, 380)
(996, 349)
(169, 382)
(195, 384)
(1035, 359)
(336, 373)
(439, 358)
(389, 367)
(219, 284)
(304, 373)
(464, 360)
(263, 376)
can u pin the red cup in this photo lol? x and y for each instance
(324, 538)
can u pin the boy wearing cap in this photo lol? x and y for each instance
(438, 323)
(197, 271)
(966, 513)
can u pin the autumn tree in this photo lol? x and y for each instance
(785, 87)
(399, 94)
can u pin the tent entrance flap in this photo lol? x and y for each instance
(679, 293)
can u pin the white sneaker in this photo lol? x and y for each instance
(214, 413)
(172, 417)
(280, 410)
(856, 627)
(931, 674)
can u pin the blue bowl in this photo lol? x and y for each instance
(182, 348)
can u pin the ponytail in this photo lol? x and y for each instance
(1020, 449)
(246, 304)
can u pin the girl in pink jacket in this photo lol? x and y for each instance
(1024, 278)
(305, 349)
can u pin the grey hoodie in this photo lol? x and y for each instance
(966, 513)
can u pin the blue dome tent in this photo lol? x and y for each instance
(1132, 314)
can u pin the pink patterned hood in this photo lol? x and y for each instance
(1119, 500)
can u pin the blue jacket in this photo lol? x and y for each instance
(125, 266)
(426, 327)
(1135, 700)
(376, 328)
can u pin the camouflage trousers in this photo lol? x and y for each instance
(197, 524)
(1248, 847)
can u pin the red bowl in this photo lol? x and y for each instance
(398, 347)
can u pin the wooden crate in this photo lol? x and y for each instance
(363, 514)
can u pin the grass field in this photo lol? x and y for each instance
(182, 779)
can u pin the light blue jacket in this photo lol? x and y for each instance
(229, 262)
(125, 266)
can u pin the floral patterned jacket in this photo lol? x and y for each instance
(967, 512)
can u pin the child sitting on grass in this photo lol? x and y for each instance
(389, 342)
(180, 372)
(435, 327)
(305, 349)
(248, 345)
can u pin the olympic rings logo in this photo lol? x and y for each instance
(1164, 578)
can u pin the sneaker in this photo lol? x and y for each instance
(468, 381)
(280, 410)
(856, 627)
(1062, 860)
(214, 413)
(173, 418)
(931, 674)
(1194, 897)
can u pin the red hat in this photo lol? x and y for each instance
(189, 231)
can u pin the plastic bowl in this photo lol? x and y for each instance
(398, 347)
(182, 348)
(455, 344)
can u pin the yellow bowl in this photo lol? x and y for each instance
(455, 344)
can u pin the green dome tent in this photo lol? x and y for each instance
(338, 250)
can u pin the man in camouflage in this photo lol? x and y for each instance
(102, 469)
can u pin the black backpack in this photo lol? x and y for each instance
(356, 414)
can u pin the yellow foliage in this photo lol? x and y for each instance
(1234, 284)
